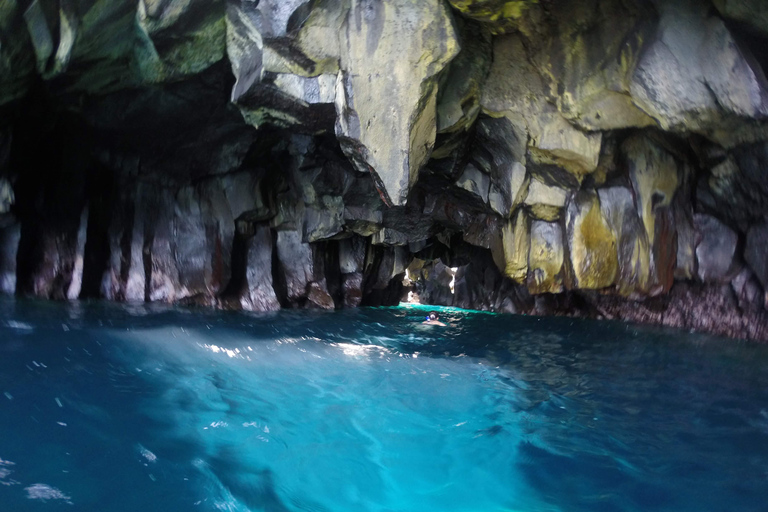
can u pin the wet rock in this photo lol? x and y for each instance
(204, 226)
(10, 234)
(259, 294)
(545, 258)
(545, 202)
(655, 178)
(319, 297)
(500, 15)
(751, 12)
(634, 252)
(500, 153)
(694, 77)
(749, 293)
(475, 182)
(592, 246)
(715, 250)
(296, 262)
(701, 307)
(754, 252)
(458, 101)
(578, 41)
(511, 247)
(163, 284)
(352, 289)
(393, 148)
(514, 88)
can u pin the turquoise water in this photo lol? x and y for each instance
(107, 408)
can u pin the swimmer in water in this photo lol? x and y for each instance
(432, 319)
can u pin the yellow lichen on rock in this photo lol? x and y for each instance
(591, 244)
(510, 250)
(501, 15)
(654, 176)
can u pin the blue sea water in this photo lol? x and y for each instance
(108, 408)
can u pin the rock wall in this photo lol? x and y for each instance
(603, 158)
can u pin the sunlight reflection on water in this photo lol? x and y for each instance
(368, 411)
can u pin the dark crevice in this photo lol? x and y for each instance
(278, 276)
(332, 272)
(238, 281)
(100, 193)
(126, 240)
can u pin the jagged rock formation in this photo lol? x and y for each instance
(595, 157)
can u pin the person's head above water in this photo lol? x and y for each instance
(433, 319)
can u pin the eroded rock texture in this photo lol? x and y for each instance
(593, 157)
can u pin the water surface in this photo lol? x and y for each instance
(109, 408)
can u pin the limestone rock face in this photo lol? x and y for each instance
(716, 249)
(460, 86)
(588, 63)
(546, 202)
(752, 12)
(634, 252)
(695, 77)
(501, 154)
(585, 157)
(655, 177)
(259, 294)
(510, 252)
(413, 41)
(591, 244)
(515, 89)
(501, 15)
